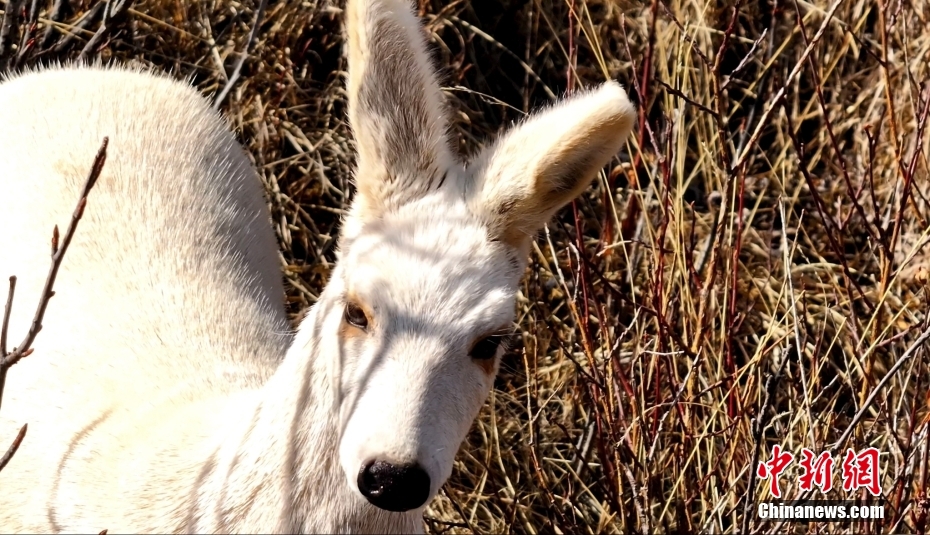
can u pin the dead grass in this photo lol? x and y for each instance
(751, 271)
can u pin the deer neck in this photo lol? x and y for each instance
(279, 471)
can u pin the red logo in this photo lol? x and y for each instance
(861, 471)
(819, 472)
(773, 467)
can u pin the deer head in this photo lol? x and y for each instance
(432, 251)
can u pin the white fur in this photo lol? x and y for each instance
(166, 392)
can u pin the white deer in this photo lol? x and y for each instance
(167, 393)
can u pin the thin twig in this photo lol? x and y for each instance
(792, 305)
(113, 17)
(7, 360)
(81, 26)
(4, 328)
(774, 101)
(60, 10)
(668, 409)
(921, 340)
(11, 451)
(745, 60)
(27, 41)
(758, 425)
(838, 445)
(237, 71)
(58, 253)
(822, 210)
(875, 231)
(687, 99)
(8, 29)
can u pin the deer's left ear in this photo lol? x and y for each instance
(396, 108)
(537, 167)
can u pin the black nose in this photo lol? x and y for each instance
(394, 488)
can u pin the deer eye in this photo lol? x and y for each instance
(486, 348)
(355, 316)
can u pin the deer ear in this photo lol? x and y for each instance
(396, 108)
(519, 182)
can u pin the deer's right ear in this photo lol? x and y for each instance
(396, 108)
(520, 181)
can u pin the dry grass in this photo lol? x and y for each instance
(751, 271)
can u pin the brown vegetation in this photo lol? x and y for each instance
(752, 271)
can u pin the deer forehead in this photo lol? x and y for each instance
(433, 265)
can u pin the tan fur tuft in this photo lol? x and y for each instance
(520, 181)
